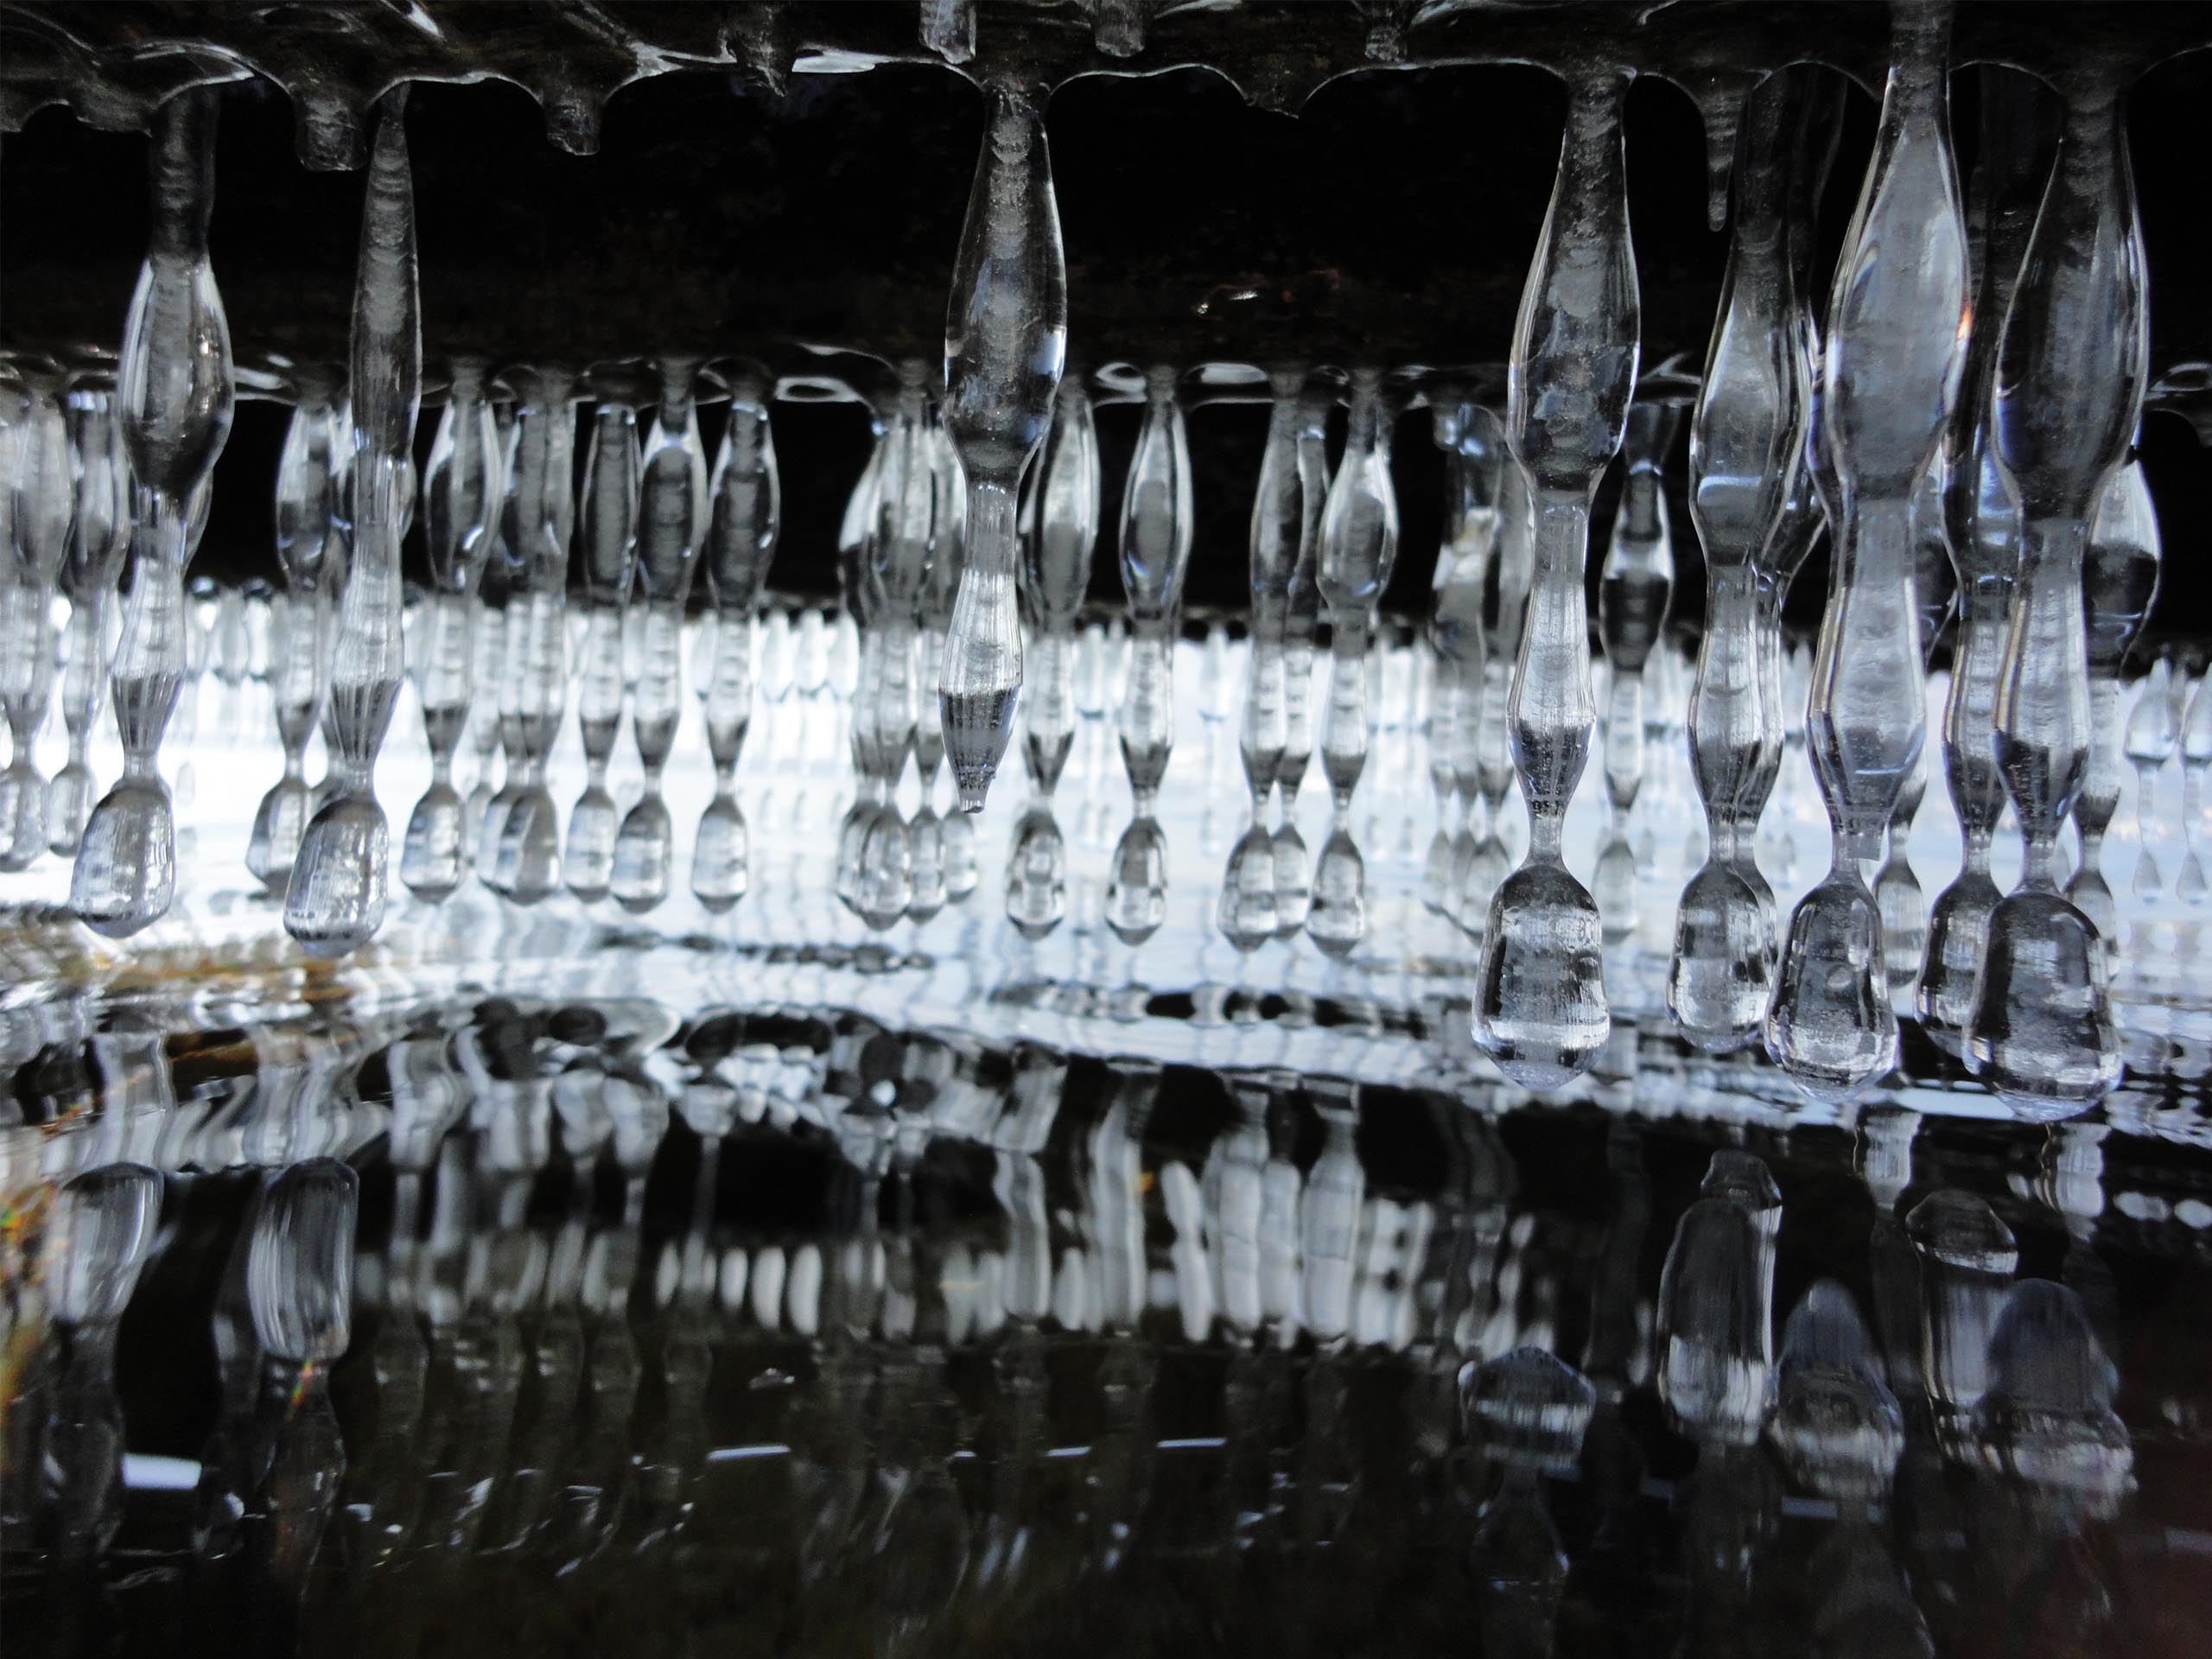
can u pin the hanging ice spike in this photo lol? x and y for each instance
(174, 398)
(1894, 349)
(1539, 999)
(607, 531)
(1005, 343)
(1359, 548)
(98, 539)
(1066, 508)
(311, 553)
(746, 517)
(1156, 530)
(1747, 447)
(336, 901)
(1984, 540)
(461, 497)
(671, 528)
(2071, 373)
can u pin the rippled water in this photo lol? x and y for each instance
(506, 1324)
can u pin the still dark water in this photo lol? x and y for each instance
(599, 1329)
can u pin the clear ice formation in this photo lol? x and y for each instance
(1480, 863)
(1155, 554)
(2120, 581)
(1359, 549)
(460, 499)
(1005, 345)
(671, 527)
(1540, 1000)
(1893, 357)
(335, 901)
(606, 537)
(2071, 371)
(2153, 732)
(746, 521)
(2196, 798)
(1248, 914)
(1747, 459)
(909, 528)
(1981, 456)
(1060, 532)
(1983, 518)
(42, 487)
(313, 539)
(518, 843)
(99, 536)
(1636, 592)
(1474, 457)
(173, 401)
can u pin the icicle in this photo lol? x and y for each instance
(336, 900)
(174, 398)
(1539, 999)
(1894, 353)
(461, 495)
(1006, 339)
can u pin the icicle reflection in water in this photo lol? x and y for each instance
(387, 1407)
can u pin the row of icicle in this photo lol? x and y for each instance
(1987, 412)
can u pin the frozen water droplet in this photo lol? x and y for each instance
(1247, 914)
(721, 856)
(1721, 976)
(587, 859)
(1036, 876)
(2043, 1032)
(1337, 920)
(1831, 1026)
(1136, 888)
(1540, 997)
(1005, 341)
(432, 853)
(644, 855)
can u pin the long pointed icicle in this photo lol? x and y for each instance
(1540, 998)
(175, 392)
(2070, 377)
(1005, 343)
(336, 901)
(1896, 347)
(460, 497)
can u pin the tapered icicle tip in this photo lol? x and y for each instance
(977, 727)
(1721, 108)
